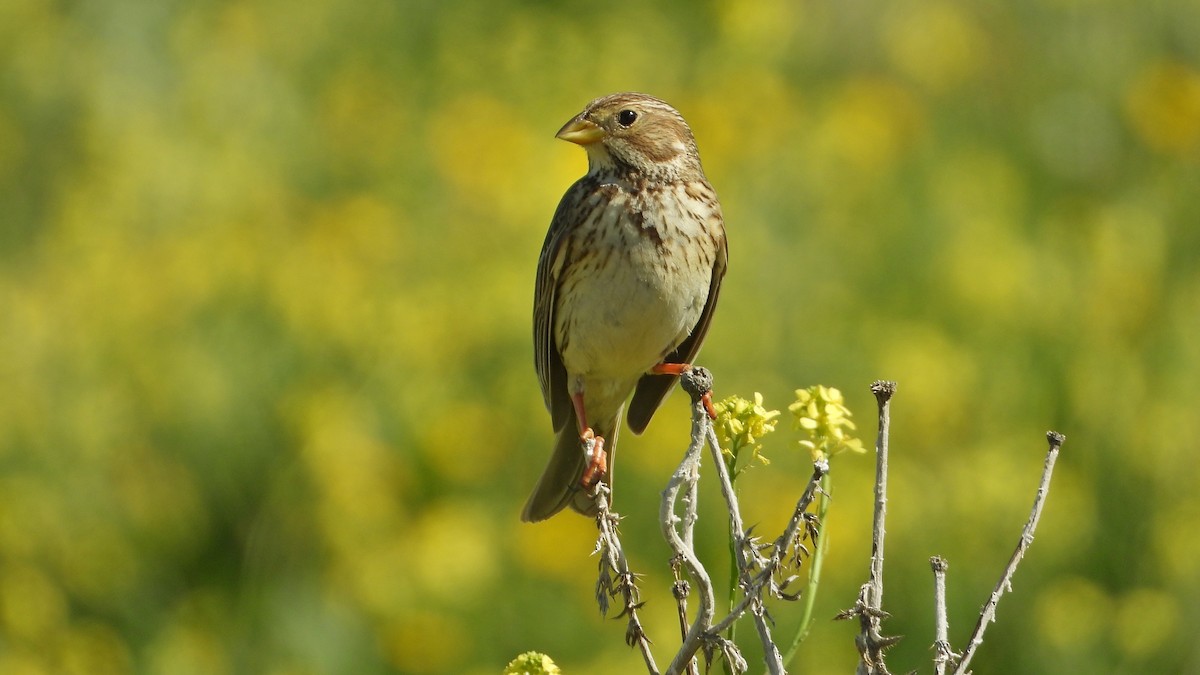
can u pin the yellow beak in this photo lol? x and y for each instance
(580, 132)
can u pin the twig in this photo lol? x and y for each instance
(741, 543)
(613, 562)
(680, 591)
(691, 500)
(764, 579)
(685, 476)
(755, 573)
(868, 608)
(943, 654)
(988, 613)
(816, 563)
(883, 391)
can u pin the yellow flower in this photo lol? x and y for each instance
(821, 412)
(742, 423)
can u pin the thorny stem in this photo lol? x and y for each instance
(608, 545)
(988, 613)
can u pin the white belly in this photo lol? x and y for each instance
(617, 320)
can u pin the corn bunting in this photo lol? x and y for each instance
(626, 285)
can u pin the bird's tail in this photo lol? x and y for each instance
(559, 485)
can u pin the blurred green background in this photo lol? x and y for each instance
(268, 402)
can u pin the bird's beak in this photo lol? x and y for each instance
(581, 132)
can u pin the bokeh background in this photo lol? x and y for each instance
(267, 402)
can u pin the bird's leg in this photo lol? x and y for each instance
(671, 368)
(593, 446)
(679, 369)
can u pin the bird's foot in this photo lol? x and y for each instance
(680, 369)
(596, 459)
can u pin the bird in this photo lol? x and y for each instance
(627, 282)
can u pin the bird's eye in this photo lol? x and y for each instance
(626, 117)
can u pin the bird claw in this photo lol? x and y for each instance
(681, 369)
(596, 458)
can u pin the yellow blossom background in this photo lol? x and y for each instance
(267, 401)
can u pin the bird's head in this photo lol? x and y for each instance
(634, 133)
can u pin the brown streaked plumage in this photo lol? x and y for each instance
(627, 279)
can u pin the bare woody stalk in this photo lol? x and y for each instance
(942, 653)
(681, 588)
(680, 591)
(764, 580)
(987, 615)
(741, 547)
(756, 573)
(883, 394)
(684, 480)
(614, 563)
(871, 642)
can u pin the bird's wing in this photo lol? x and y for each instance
(547, 357)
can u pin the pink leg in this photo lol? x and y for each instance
(580, 413)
